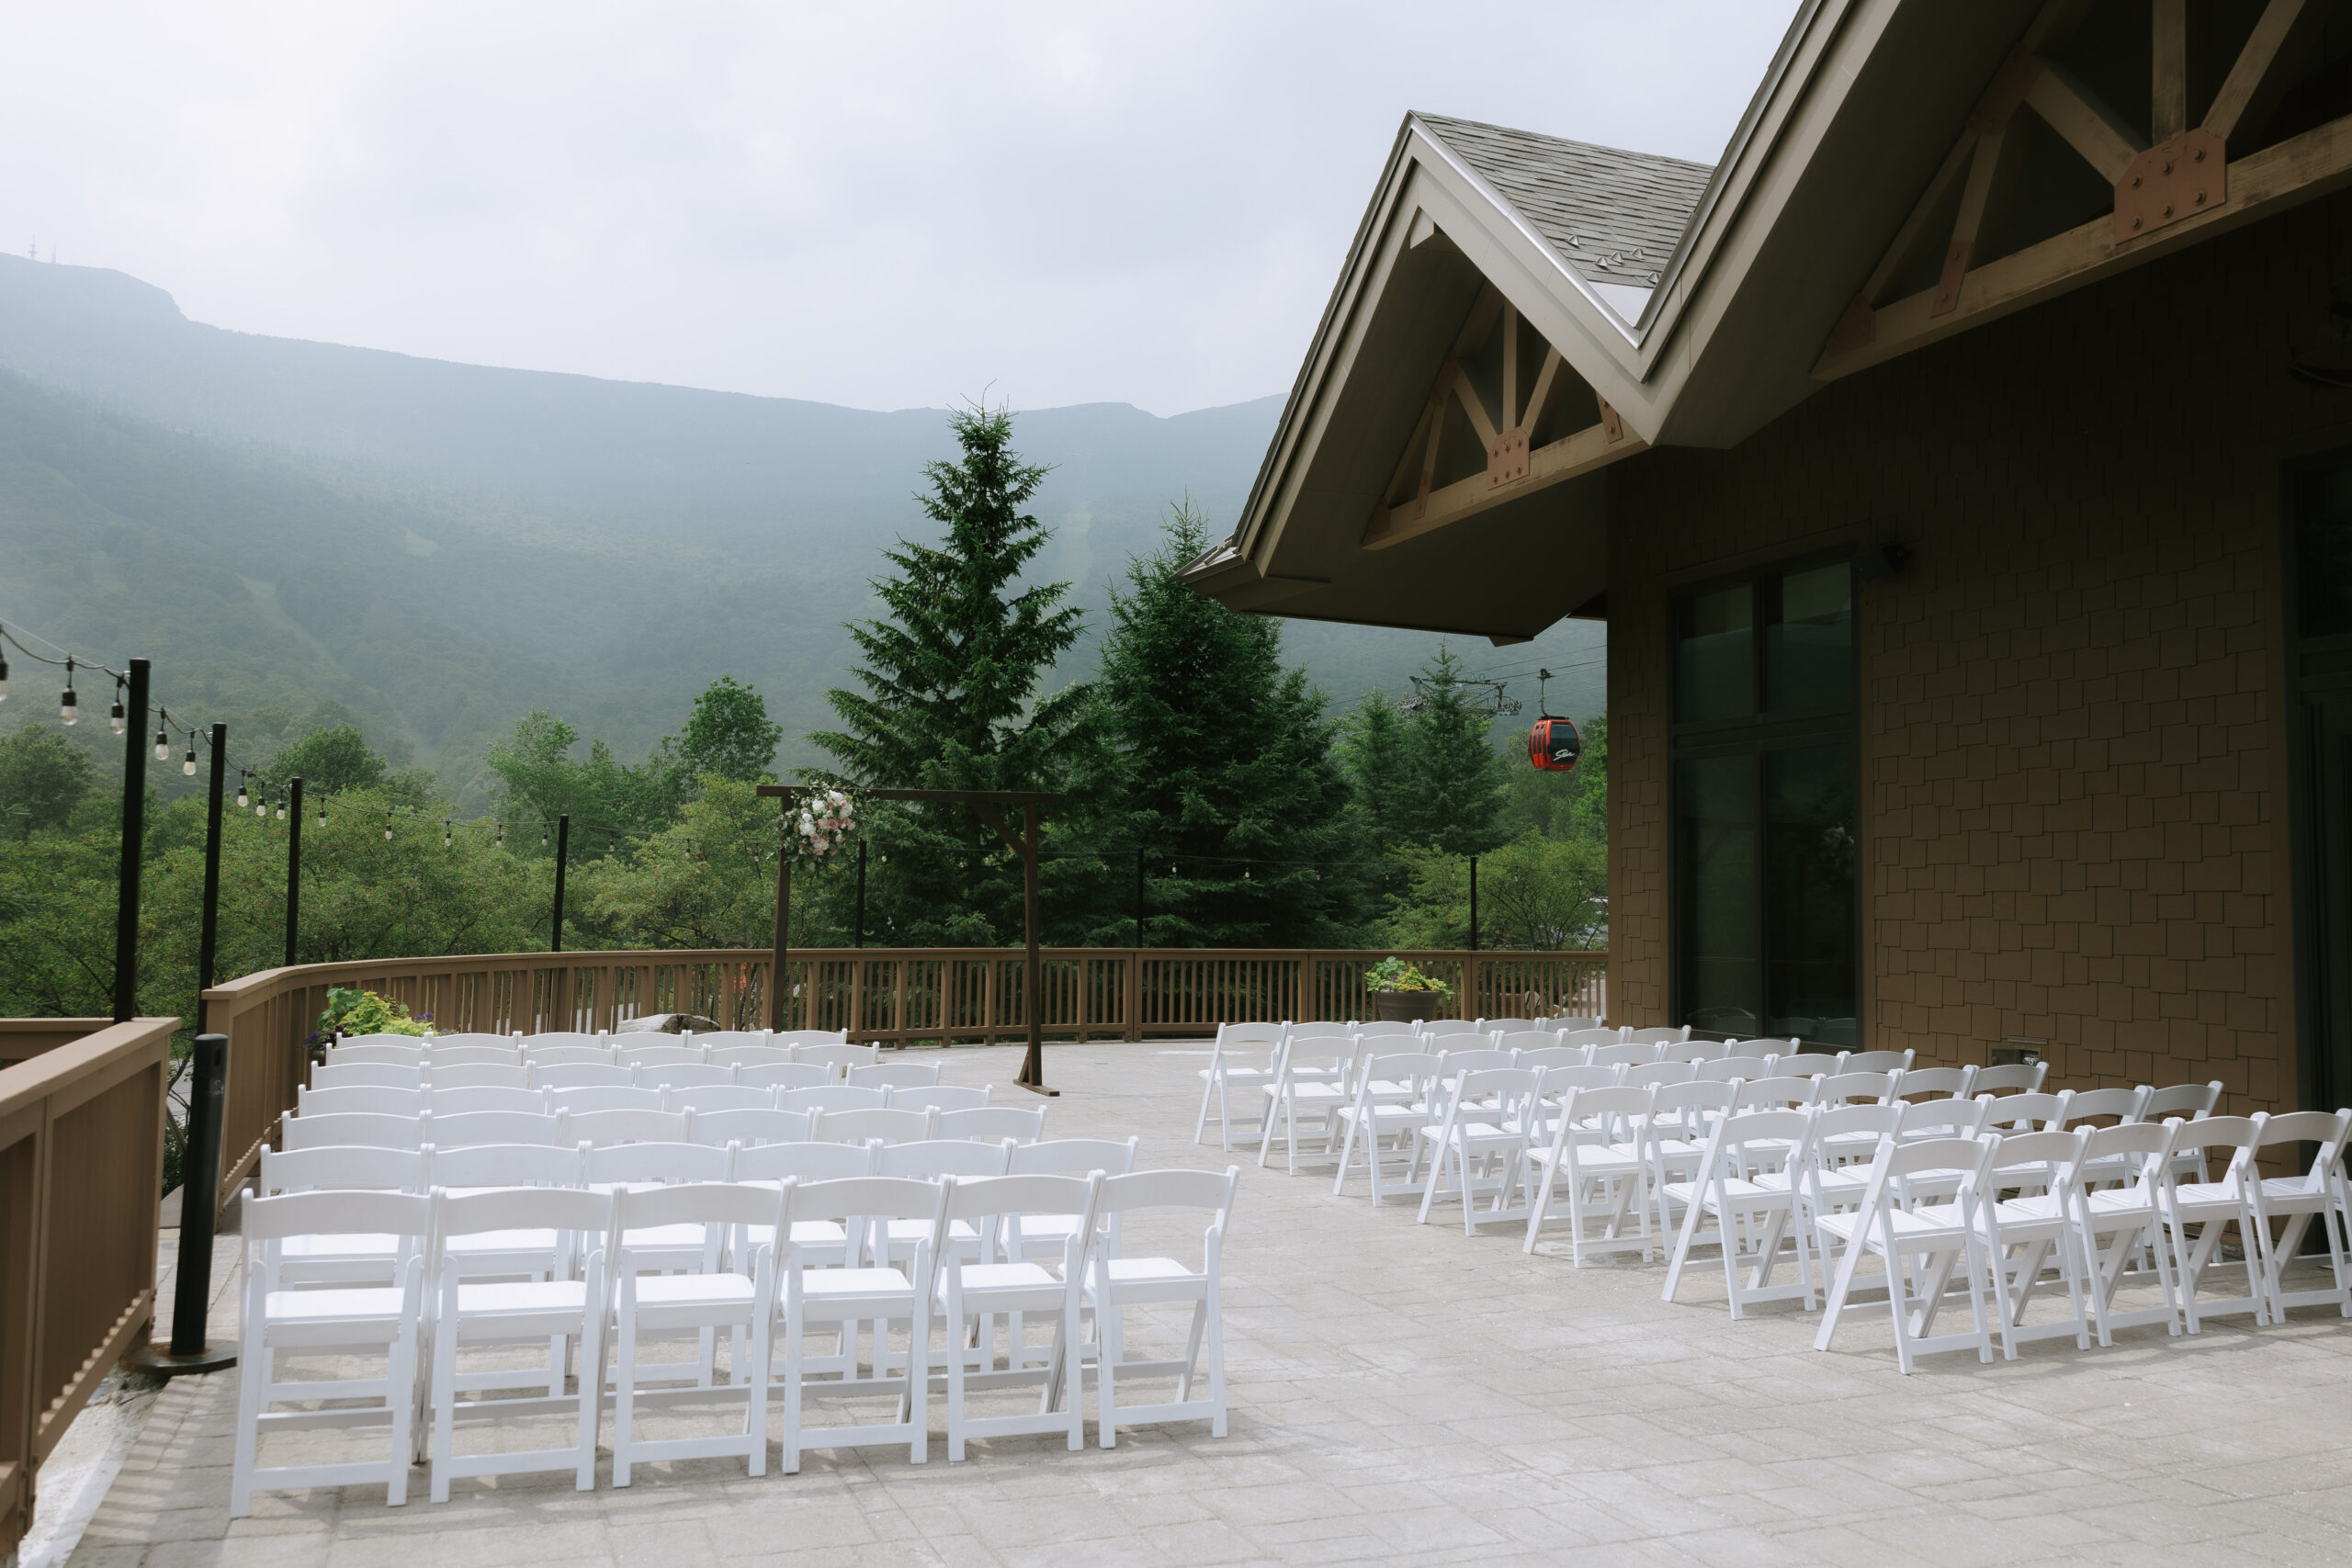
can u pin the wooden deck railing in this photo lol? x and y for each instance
(894, 995)
(81, 1152)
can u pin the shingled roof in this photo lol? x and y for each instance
(1614, 216)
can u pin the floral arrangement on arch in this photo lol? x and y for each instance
(822, 823)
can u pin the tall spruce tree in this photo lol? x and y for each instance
(1218, 767)
(1454, 773)
(952, 697)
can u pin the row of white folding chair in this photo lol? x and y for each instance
(381, 1100)
(565, 1129)
(749, 1299)
(641, 1074)
(838, 1059)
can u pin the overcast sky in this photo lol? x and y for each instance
(888, 207)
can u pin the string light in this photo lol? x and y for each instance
(4, 675)
(187, 763)
(114, 715)
(261, 806)
(543, 835)
(65, 714)
(242, 780)
(387, 827)
(445, 833)
(502, 835)
(163, 740)
(281, 808)
(322, 815)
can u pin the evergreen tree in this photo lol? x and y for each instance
(1219, 767)
(952, 697)
(1454, 776)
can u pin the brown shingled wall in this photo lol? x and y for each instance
(2074, 704)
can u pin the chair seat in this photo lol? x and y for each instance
(1241, 1075)
(822, 1283)
(2208, 1195)
(1003, 1277)
(1148, 1271)
(2279, 1189)
(522, 1298)
(692, 1289)
(2121, 1203)
(1929, 1223)
(2041, 1209)
(920, 1230)
(1594, 1160)
(378, 1305)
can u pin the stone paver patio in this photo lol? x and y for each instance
(1402, 1395)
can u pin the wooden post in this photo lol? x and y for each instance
(777, 1013)
(1134, 993)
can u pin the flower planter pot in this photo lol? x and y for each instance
(1408, 1006)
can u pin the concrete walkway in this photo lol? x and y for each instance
(1402, 1395)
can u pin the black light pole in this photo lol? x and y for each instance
(859, 939)
(134, 845)
(1474, 903)
(209, 937)
(562, 855)
(1138, 895)
(293, 868)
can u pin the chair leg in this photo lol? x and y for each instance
(592, 1395)
(795, 1333)
(625, 1388)
(1108, 1341)
(1213, 1310)
(445, 1402)
(1208, 1087)
(955, 1371)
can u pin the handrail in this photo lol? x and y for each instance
(81, 1153)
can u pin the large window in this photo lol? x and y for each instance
(1765, 805)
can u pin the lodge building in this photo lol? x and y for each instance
(1962, 468)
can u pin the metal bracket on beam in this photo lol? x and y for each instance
(2170, 181)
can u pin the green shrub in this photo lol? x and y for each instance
(365, 1012)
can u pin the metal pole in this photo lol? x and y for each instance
(859, 939)
(134, 845)
(1474, 903)
(562, 860)
(777, 1013)
(1138, 895)
(209, 938)
(200, 1216)
(293, 868)
(1032, 1065)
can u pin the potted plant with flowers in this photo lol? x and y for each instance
(1401, 993)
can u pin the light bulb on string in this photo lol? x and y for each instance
(502, 835)
(281, 808)
(242, 801)
(387, 827)
(3, 677)
(114, 713)
(445, 835)
(543, 835)
(187, 763)
(162, 739)
(65, 714)
(322, 816)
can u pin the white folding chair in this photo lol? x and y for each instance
(1724, 1069)
(366, 1074)
(1396, 1096)
(2029, 1111)
(894, 1241)
(575, 1101)
(750, 1128)
(1809, 1065)
(2012, 1077)
(1309, 1088)
(660, 1305)
(1647, 1075)
(841, 1057)
(354, 1129)
(477, 1075)
(1486, 1124)
(552, 1310)
(2191, 1101)
(1022, 1123)
(682, 1075)
(392, 1054)
(2284, 1207)
(821, 1300)
(363, 1100)
(1917, 1083)
(896, 1074)
(1657, 1036)
(979, 1290)
(2019, 1234)
(1598, 1180)
(447, 1103)
(785, 1076)
(604, 1127)
(2127, 1206)
(1930, 1241)
(584, 1075)
(1693, 1050)
(859, 1126)
(1113, 1283)
(1244, 1059)
(702, 1099)
(833, 1097)
(337, 1259)
(1727, 1187)
(942, 1097)
(1879, 1061)
(363, 1321)
(1673, 1135)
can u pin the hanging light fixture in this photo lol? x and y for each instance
(281, 808)
(242, 801)
(114, 715)
(162, 739)
(3, 675)
(445, 834)
(543, 834)
(187, 763)
(502, 835)
(261, 805)
(323, 814)
(65, 714)
(387, 827)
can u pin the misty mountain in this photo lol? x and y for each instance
(439, 547)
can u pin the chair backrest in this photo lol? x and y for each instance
(932, 1158)
(890, 1126)
(1323, 1037)
(477, 1075)
(667, 1053)
(574, 1213)
(1919, 1081)
(833, 1097)
(1435, 1030)
(705, 1203)
(567, 1055)
(584, 1075)
(1626, 1054)
(1512, 1026)
(2326, 1128)
(1023, 1123)
(1807, 1065)
(2239, 1135)
(1879, 1061)
(699, 1098)
(1643, 1074)
(803, 1162)
(356, 1128)
(2020, 1113)
(658, 1162)
(444, 1102)
(406, 1041)
(750, 1127)
(683, 1075)
(792, 1039)
(560, 1038)
(1943, 1118)
(605, 1097)
(1559, 1080)
(1507, 1086)
(2147, 1143)
(1659, 1036)
(865, 1198)
(1693, 1050)
(972, 1198)
(2123, 1104)
(1847, 1121)
(368, 1075)
(1457, 1040)
(340, 1168)
(837, 1054)
(1546, 1057)
(1770, 1137)
(751, 1055)
(2052, 1156)
(1757, 1094)
(478, 1037)
(475, 1057)
(716, 1040)
(411, 1056)
(508, 1165)
(1687, 1104)
(1171, 1190)
(603, 1127)
(1388, 1029)
(1473, 1061)
(1842, 1089)
(406, 1215)
(1110, 1156)
(364, 1099)
(1593, 1036)
(1525, 1041)
(501, 1127)
(1729, 1067)
(939, 1097)
(1897, 1162)
(2190, 1099)
(2011, 1077)
(783, 1075)
(896, 1074)
(1604, 1108)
